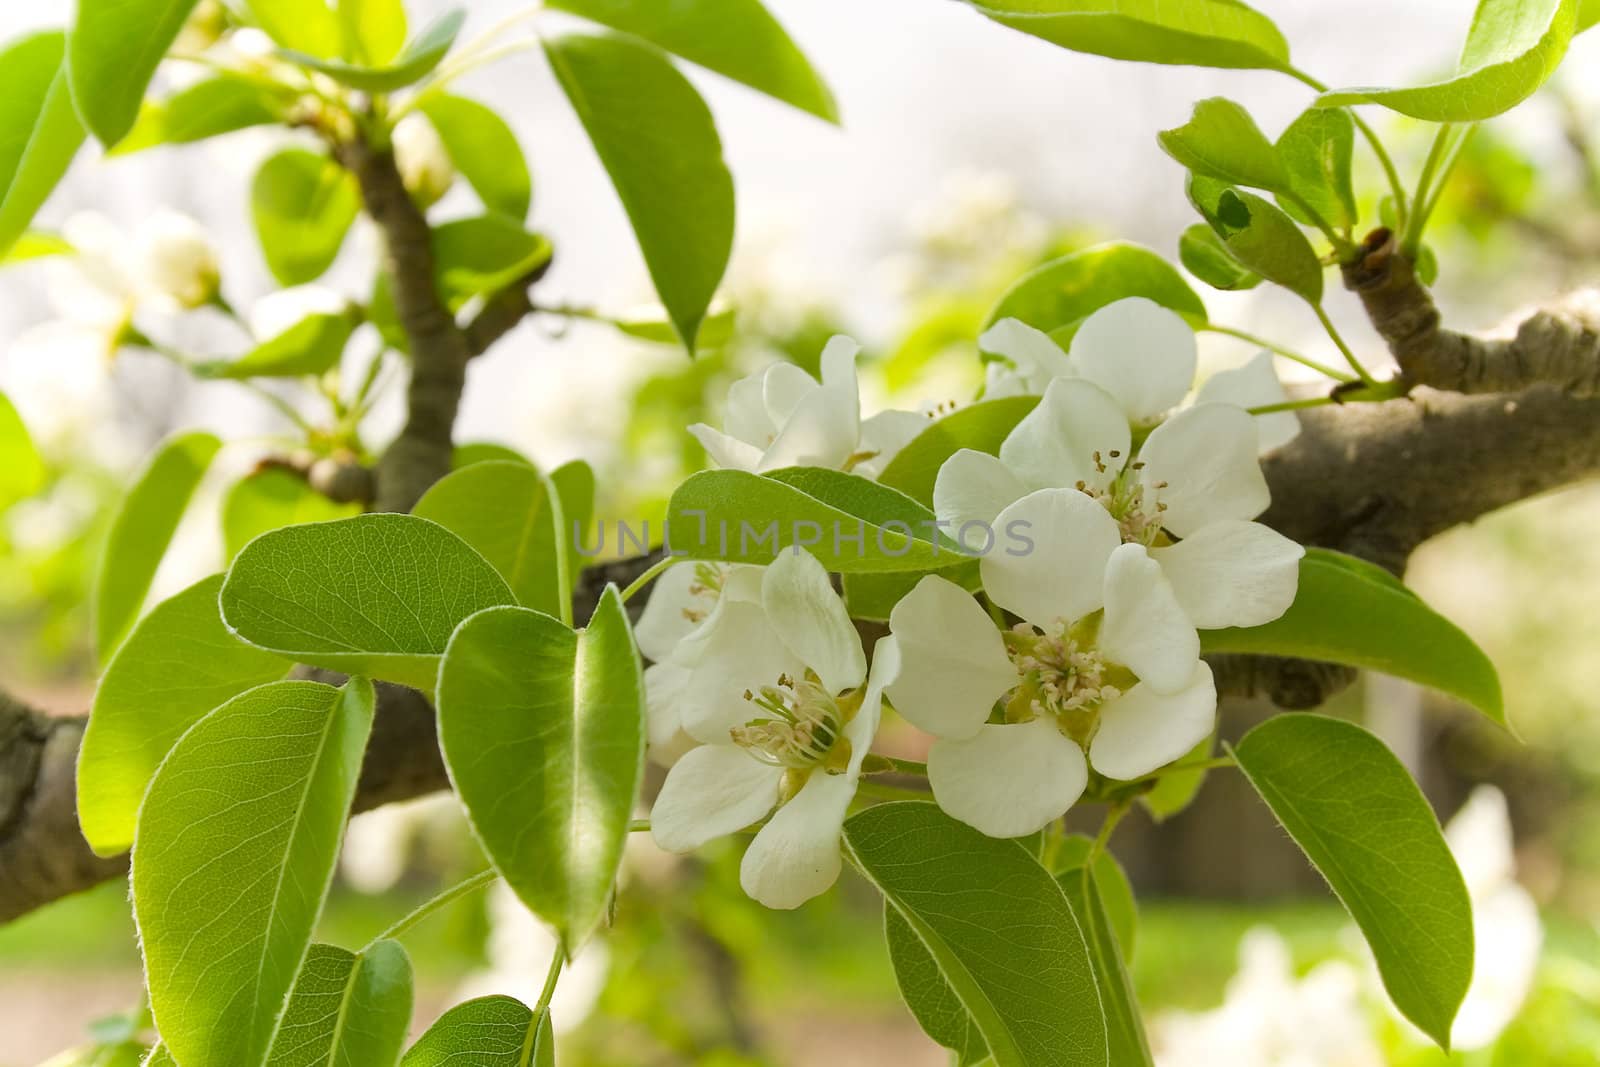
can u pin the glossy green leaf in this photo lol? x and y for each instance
(511, 513)
(377, 594)
(1116, 892)
(575, 487)
(209, 108)
(178, 664)
(872, 595)
(21, 469)
(736, 38)
(1065, 291)
(657, 140)
(1343, 613)
(981, 426)
(1512, 48)
(1202, 33)
(347, 1009)
(114, 49)
(234, 853)
(312, 346)
(998, 926)
(483, 451)
(303, 204)
(1355, 812)
(39, 130)
(271, 499)
(159, 1057)
(542, 729)
(485, 151)
(35, 244)
(308, 26)
(1204, 255)
(1260, 236)
(1222, 141)
(482, 255)
(416, 60)
(933, 1003)
(1316, 151)
(142, 530)
(491, 1031)
(1124, 1026)
(374, 30)
(716, 329)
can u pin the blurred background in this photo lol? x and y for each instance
(968, 154)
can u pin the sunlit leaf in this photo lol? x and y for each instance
(485, 151)
(416, 61)
(21, 469)
(493, 1031)
(347, 1009)
(1202, 33)
(218, 105)
(114, 49)
(39, 130)
(271, 499)
(303, 204)
(1065, 291)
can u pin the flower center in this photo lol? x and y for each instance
(803, 727)
(707, 587)
(1063, 675)
(1124, 498)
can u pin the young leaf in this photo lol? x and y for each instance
(303, 204)
(981, 426)
(1065, 291)
(114, 50)
(39, 130)
(656, 139)
(1201, 33)
(542, 729)
(218, 105)
(347, 1009)
(21, 469)
(1343, 613)
(374, 30)
(1222, 141)
(1588, 14)
(736, 38)
(1177, 790)
(177, 664)
(934, 1004)
(35, 244)
(1316, 149)
(304, 25)
(494, 1031)
(485, 151)
(996, 924)
(1115, 891)
(1356, 813)
(511, 513)
(483, 255)
(141, 531)
(376, 594)
(271, 499)
(574, 483)
(1260, 236)
(312, 346)
(1512, 48)
(234, 853)
(872, 595)
(1204, 255)
(416, 61)
(1124, 1027)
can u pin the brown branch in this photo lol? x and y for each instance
(501, 313)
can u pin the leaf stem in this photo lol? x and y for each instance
(639, 826)
(433, 904)
(1291, 405)
(1113, 816)
(1428, 197)
(1286, 353)
(1350, 357)
(1396, 186)
(557, 959)
(651, 574)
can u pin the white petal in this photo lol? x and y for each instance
(1145, 628)
(739, 650)
(1206, 456)
(711, 792)
(811, 619)
(664, 687)
(1138, 351)
(974, 487)
(1001, 379)
(727, 452)
(1254, 385)
(885, 434)
(1010, 780)
(783, 387)
(953, 662)
(838, 362)
(796, 855)
(667, 614)
(1143, 730)
(746, 417)
(1049, 562)
(823, 431)
(1233, 573)
(1055, 444)
(1479, 835)
(1037, 358)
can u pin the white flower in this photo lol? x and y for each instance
(423, 161)
(96, 290)
(178, 260)
(1106, 663)
(1188, 496)
(883, 436)
(784, 721)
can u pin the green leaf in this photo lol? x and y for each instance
(178, 664)
(542, 729)
(1065, 291)
(1512, 48)
(487, 1032)
(511, 513)
(482, 255)
(872, 595)
(748, 518)
(35, 244)
(1116, 892)
(374, 30)
(738, 39)
(657, 140)
(305, 25)
(1222, 141)
(575, 485)
(1588, 14)
(1124, 1028)
(1201, 33)
(21, 469)
(1202, 252)
(1356, 813)
(981, 426)
(159, 1057)
(1260, 236)
(716, 329)
(998, 926)
(113, 51)
(39, 130)
(303, 204)
(934, 1004)
(1316, 150)
(416, 61)
(485, 151)
(483, 451)
(1175, 791)
(347, 1009)
(312, 346)
(205, 109)
(234, 853)
(377, 594)
(142, 529)
(1343, 613)
(271, 499)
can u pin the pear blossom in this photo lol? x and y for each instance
(1104, 671)
(784, 714)
(95, 291)
(179, 261)
(424, 162)
(783, 417)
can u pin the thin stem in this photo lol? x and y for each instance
(1113, 816)
(639, 826)
(1291, 405)
(1436, 152)
(1350, 357)
(1277, 349)
(1396, 186)
(651, 574)
(433, 904)
(556, 961)
(908, 766)
(1424, 206)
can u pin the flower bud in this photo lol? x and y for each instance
(203, 28)
(178, 260)
(423, 160)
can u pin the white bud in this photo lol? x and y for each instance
(177, 259)
(423, 160)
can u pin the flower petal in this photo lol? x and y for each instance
(667, 617)
(1055, 444)
(738, 650)
(783, 387)
(725, 451)
(1254, 385)
(665, 685)
(974, 487)
(1145, 628)
(811, 619)
(1008, 781)
(1143, 730)
(884, 435)
(1202, 465)
(823, 431)
(712, 791)
(953, 662)
(1050, 560)
(746, 416)
(838, 362)
(1037, 358)
(1138, 351)
(1233, 573)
